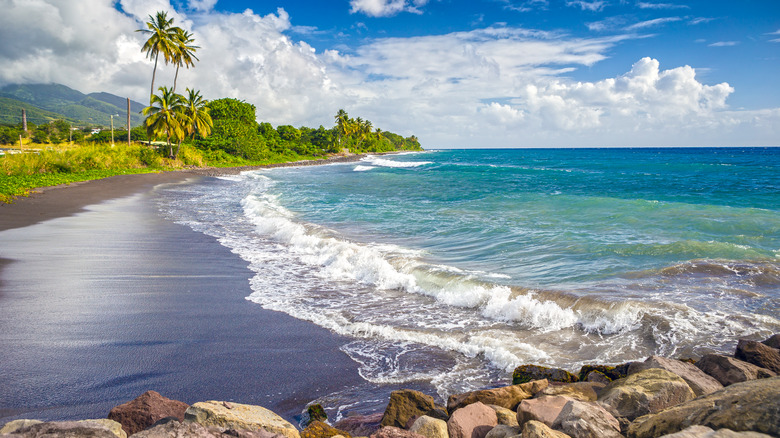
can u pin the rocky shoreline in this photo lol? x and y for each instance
(717, 396)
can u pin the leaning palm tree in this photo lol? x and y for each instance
(342, 125)
(197, 117)
(163, 38)
(166, 116)
(185, 55)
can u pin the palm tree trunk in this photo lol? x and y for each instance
(154, 73)
(178, 145)
(175, 78)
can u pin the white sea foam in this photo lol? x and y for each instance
(383, 162)
(361, 168)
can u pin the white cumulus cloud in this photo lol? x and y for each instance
(386, 8)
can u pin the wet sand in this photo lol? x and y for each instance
(101, 299)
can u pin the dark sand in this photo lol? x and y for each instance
(102, 299)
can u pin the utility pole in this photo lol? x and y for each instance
(128, 121)
(24, 120)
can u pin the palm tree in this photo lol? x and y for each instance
(166, 116)
(197, 117)
(163, 38)
(185, 55)
(342, 125)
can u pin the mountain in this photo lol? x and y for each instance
(66, 103)
(11, 113)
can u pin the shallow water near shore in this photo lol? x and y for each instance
(447, 269)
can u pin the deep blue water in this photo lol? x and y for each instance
(468, 263)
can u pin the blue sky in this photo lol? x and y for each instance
(490, 73)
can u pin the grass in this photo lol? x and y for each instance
(47, 165)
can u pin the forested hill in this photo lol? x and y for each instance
(60, 102)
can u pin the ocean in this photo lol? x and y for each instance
(447, 269)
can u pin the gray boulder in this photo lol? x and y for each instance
(706, 432)
(753, 405)
(395, 432)
(646, 392)
(360, 425)
(70, 429)
(587, 420)
(430, 427)
(773, 341)
(729, 370)
(700, 382)
(503, 431)
(758, 354)
(238, 416)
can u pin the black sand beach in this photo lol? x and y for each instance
(102, 299)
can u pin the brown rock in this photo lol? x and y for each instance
(700, 382)
(14, 425)
(706, 432)
(145, 410)
(752, 405)
(729, 370)
(597, 377)
(213, 413)
(360, 425)
(587, 420)
(544, 409)
(506, 396)
(505, 416)
(472, 421)
(528, 373)
(535, 429)
(503, 431)
(773, 341)
(175, 428)
(66, 429)
(430, 427)
(758, 354)
(612, 372)
(582, 391)
(645, 392)
(405, 404)
(318, 429)
(394, 432)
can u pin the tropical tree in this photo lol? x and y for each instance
(166, 116)
(342, 126)
(185, 55)
(196, 117)
(163, 38)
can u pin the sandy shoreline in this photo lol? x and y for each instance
(101, 299)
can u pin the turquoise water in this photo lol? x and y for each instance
(453, 267)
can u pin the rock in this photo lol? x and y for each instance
(773, 341)
(700, 382)
(505, 416)
(71, 429)
(319, 429)
(405, 404)
(758, 354)
(506, 396)
(543, 409)
(472, 421)
(13, 426)
(706, 432)
(140, 413)
(729, 370)
(246, 417)
(612, 372)
(752, 405)
(528, 373)
(597, 377)
(316, 413)
(360, 425)
(175, 428)
(430, 427)
(645, 392)
(587, 420)
(394, 432)
(535, 429)
(582, 391)
(503, 431)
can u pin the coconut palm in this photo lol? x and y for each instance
(342, 125)
(196, 115)
(163, 38)
(166, 116)
(185, 55)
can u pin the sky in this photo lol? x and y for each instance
(455, 73)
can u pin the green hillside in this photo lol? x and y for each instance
(66, 103)
(11, 113)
